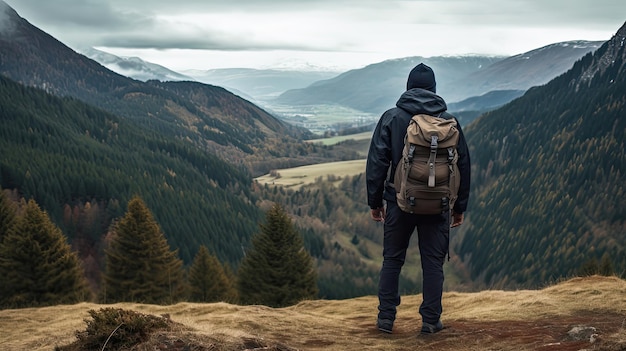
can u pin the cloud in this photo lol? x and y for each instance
(300, 25)
(366, 28)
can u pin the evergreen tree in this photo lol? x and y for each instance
(7, 214)
(208, 281)
(590, 267)
(277, 271)
(37, 265)
(140, 267)
(606, 266)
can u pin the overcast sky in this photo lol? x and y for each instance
(339, 34)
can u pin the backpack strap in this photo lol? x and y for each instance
(407, 161)
(431, 160)
(450, 158)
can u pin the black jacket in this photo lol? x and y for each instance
(388, 141)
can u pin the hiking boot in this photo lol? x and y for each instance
(428, 328)
(384, 325)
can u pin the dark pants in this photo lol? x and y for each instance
(433, 233)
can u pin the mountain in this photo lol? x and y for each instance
(82, 165)
(523, 71)
(548, 192)
(467, 110)
(258, 83)
(133, 67)
(377, 87)
(209, 117)
(488, 101)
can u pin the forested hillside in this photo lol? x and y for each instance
(548, 168)
(82, 165)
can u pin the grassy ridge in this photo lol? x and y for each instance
(487, 320)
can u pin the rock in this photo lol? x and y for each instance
(580, 333)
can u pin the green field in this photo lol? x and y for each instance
(337, 139)
(304, 175)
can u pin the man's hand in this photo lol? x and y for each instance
(378, 214)
(457, 219)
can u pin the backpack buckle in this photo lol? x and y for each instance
(411, 152)
(412, 201)
(434, 142)
(445, 204)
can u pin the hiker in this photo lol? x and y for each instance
(385, 152)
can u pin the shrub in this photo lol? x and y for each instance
(115, 328)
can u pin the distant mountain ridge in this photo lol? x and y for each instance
(376, 87)
(133, 67)
(259, 84)
(523, 71)
(488, 101)
(470, 91)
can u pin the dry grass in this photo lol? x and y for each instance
(305, 175)
(488, 320)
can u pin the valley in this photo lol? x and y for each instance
(321, 119)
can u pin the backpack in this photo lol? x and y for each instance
(427, 177)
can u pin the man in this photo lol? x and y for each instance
(433, 230)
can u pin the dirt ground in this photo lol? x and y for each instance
(546, 334)
(596, 332)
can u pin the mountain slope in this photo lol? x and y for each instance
(485, 102)
(32, 57)
(469, 109)
(82, 165)
(133, 67)
(548, 170)
(523, 71)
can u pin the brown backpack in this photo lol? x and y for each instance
(427, 177)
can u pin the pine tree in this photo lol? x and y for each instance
(590, 267)
(606, 266)
(37, 265)
(277, 271)
(140, 267)
(7, 214)
(208, 281)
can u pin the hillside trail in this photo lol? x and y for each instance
(579, 314)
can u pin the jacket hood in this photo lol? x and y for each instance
(418, 100)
